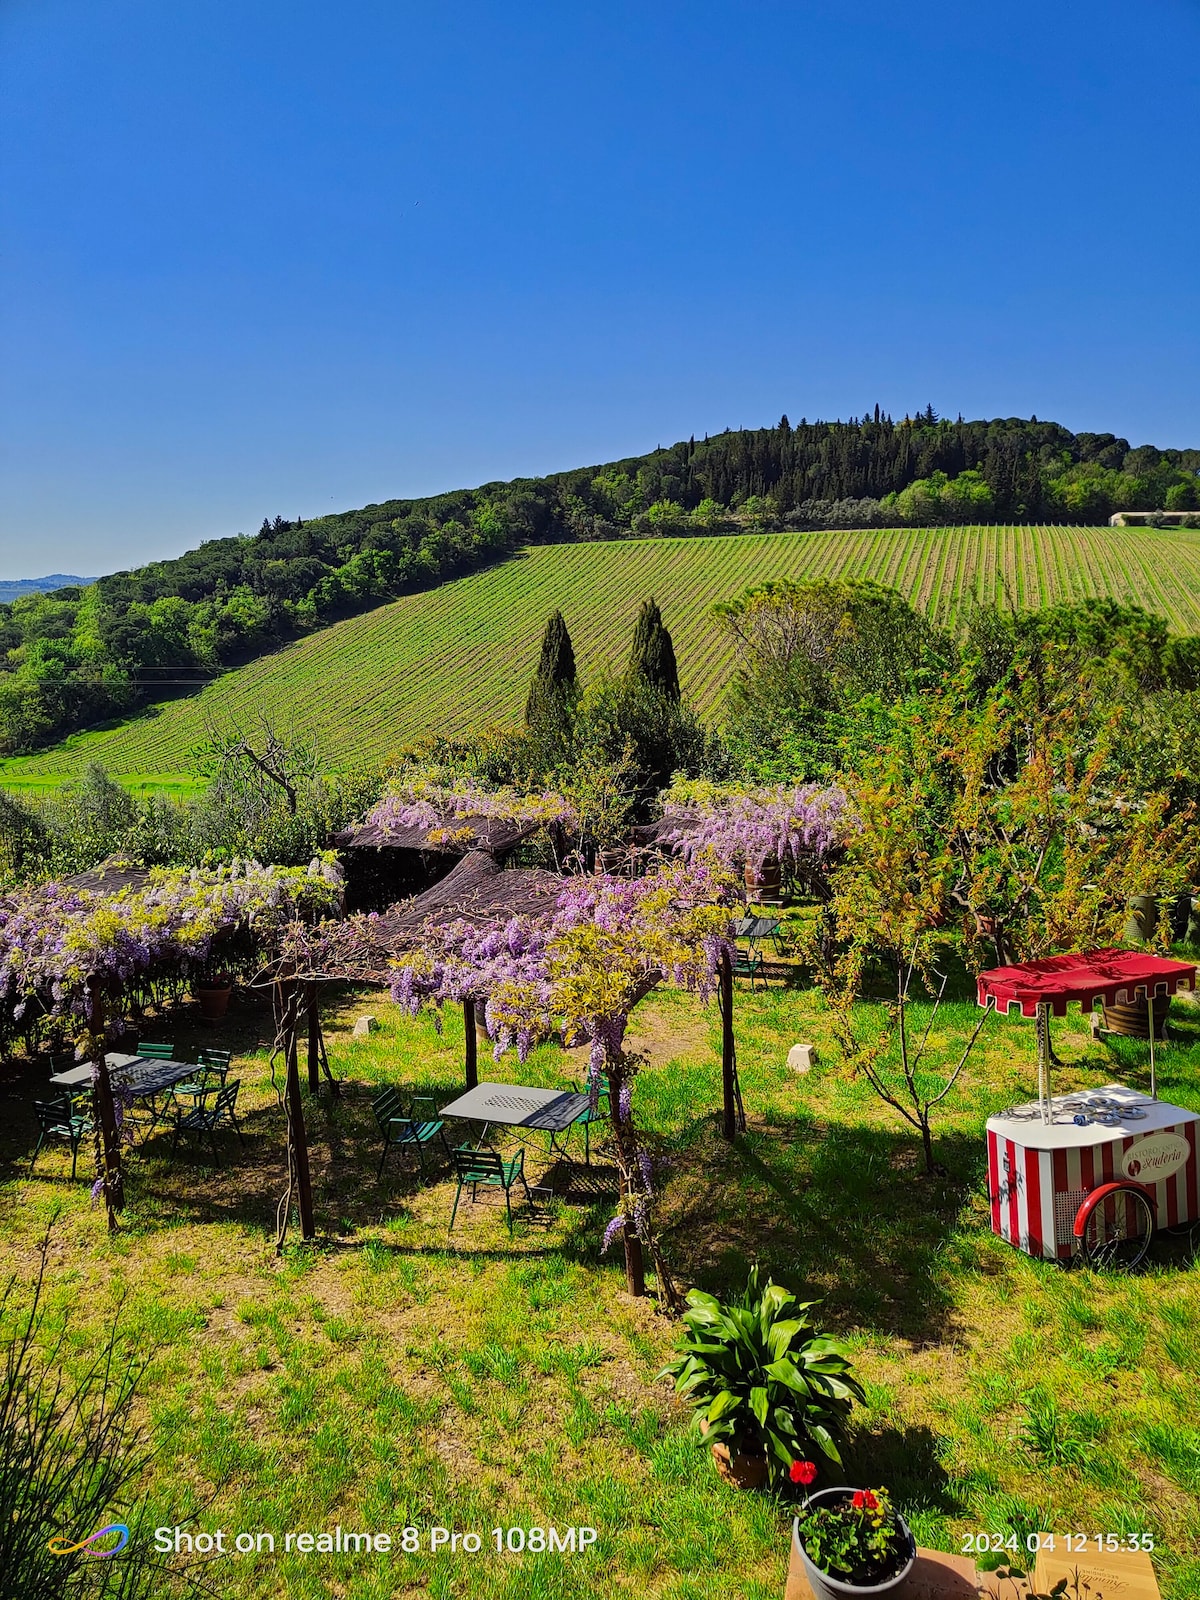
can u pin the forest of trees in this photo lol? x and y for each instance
(79, 656)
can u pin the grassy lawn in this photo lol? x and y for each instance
(394, 1375)
(175, 785)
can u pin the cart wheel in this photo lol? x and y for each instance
(1114, 1227)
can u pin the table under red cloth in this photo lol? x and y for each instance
(1115, 977)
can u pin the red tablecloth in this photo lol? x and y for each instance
(1116, 977)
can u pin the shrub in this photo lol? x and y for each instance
(758, 1378)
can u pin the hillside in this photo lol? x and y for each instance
(460, 655)
(15, 588)
(79, 657)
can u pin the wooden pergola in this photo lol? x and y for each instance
(478, 894)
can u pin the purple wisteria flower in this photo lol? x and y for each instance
(745, 828)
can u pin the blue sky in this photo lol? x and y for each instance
(266, 256)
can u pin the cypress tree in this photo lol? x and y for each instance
(554, 680)
(653, 655)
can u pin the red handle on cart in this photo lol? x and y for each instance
(1102, 1193)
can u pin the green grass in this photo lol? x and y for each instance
(175, 785)
(393, 1374)
(461, 655)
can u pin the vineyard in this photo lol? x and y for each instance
(460, 655)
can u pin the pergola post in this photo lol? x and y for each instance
(471, 1043)
(106, 1112)
(314, 1038)
(729, 1107)
(297, 1134)
(635, 1266)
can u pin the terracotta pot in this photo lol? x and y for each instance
(745, 1469)
(1131, 1022)
(826, 1588)
(213, 999)
(765, 882)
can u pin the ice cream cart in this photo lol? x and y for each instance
(1090, 1173)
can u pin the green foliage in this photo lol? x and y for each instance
(939, 498)
(628, 721)
(76, 657)
(72, 1457)
(24, 841)
(807, 653)
(855, 1539)
(550, 704)
(758, 1377)
(652, 655)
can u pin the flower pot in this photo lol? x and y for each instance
(765, 882)
(1131, 1022)
(745, 1469)
(826, 1588)
(213, 999)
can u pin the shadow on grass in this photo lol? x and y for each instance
(844, 1212)
(907, 1460)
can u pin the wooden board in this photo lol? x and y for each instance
(935, 1576)
(1115, 1574)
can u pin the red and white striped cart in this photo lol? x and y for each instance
(1094, 1172)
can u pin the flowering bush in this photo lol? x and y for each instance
(858, 1539)
(758, 1377)
(748, 826)
(53, 938)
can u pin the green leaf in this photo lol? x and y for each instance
(758, 1404)
(823, 1440)
(785, 1372)
(723, 1402)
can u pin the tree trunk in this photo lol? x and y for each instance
(927, 1141)
(635, 1267)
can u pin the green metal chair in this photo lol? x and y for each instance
(58, 1119)
(748, 964)
(488, 1167)
(207, 1119)
(150, 1051)
(152, 1114)
(596, 1113)
(403, 1130)
(212, 1069)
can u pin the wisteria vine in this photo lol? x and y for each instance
(440, 809)
(609, 941)
(55, 937)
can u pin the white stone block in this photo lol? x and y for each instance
(365, 1025)
(802, 1057)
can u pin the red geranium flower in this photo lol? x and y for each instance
(858, 1500)
(802, 1472)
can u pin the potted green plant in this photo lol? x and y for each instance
(766, 1390)
(212, 993)
(852, 1542)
